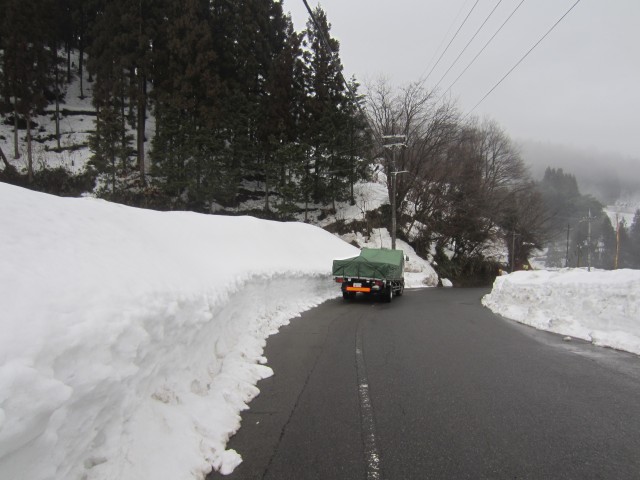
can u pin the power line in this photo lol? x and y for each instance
(522, 59)
(451, 41)
(482, 50)
(446, 35)
(468, 43)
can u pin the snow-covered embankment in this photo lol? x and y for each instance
(599, 306)
(131, 339)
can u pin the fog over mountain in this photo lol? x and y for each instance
(609, 177)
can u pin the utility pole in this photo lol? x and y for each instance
(394, 176)
(513, 250)
(394, 142)
(589, 219)
(615, 265)
(566, 260)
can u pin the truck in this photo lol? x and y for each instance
(376, 271)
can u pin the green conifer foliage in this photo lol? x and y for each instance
(26, 63)
(244, 106)
(327, 111)
(187, 97)
(634, 241)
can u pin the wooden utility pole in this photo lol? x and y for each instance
(513, 250)
(566, 261)
(615, 265)
(393, 142)
(589, 219)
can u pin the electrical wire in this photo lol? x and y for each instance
(481, 50)
(468, 43)
(522, 59)
(451, 41)
(446, 35)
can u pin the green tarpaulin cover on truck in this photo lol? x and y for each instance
(378, 263)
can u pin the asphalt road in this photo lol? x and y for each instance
(434, 386)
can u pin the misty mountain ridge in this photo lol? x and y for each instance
(610, 177)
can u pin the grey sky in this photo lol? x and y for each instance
(580, 87)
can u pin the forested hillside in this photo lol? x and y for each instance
(580, 231)
(236, 98)
(220, 106)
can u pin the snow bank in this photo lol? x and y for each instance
(131, 339)
(599, 306)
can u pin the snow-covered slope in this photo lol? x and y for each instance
(131, 338)
(599, 306)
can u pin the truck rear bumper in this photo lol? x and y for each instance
(358, 289)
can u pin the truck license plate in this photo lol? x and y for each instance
(357, 284)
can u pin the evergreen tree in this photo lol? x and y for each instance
(26, 63)
(281, 113)
(121, 57)
(626, 259)
(354, 142)
(326, 104)
(250, 37)
(83, 15)
(61, 38)
(634, 240)
(188, 141)
(237, 101)
(142, 29)
(605, 244)
(570, 209)
(108, 147)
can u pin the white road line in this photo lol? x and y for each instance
(372, 457)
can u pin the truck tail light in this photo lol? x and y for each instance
(339, 280)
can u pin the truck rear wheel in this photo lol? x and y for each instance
(388, 294)
(348, 295)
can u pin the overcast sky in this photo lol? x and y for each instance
(580, 87)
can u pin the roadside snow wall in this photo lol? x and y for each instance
(599, 306)
(131, 339)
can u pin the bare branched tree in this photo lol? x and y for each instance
(466, 183)
(428, 128)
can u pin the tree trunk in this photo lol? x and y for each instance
(306, 192)
(57, 79)
(81, 69)
(266, 184)
(352, 181)
(266, 193)
(68, 45)
(16, 150)
(123, 131)
(4, 160)
(81, 53)
(316, 177)
(29, 152)
(142, 111)
(113, 174)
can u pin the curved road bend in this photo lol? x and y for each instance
(434, 386)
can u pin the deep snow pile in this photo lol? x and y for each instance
(131, 339)
(599, 306)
